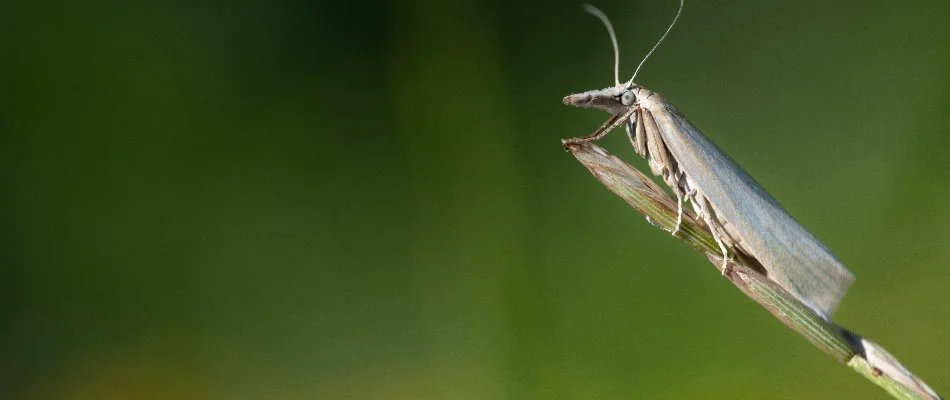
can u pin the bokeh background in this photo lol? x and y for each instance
(369, 200)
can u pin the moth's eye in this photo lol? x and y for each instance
(627, 98)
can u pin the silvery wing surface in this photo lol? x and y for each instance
(791, 255)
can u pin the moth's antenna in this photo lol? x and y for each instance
(677, 17)
(613, 38)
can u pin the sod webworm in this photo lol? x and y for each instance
(742, 216)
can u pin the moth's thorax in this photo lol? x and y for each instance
(646, 97)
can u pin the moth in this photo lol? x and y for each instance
(743, 217)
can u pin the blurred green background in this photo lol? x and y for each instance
(369, 200)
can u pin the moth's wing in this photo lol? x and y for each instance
(791, 255)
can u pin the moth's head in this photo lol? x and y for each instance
(615, 99)
(621, 97)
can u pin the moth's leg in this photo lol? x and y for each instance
(722, 248)
(614, 121)
(637, 135)
(714, 227)
(690, 195)
(643, 134)
(659, 157)
(593, 137)
(680, 198)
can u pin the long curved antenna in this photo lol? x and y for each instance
(613, 38)
(668, 29)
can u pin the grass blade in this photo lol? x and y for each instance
(866, 357)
